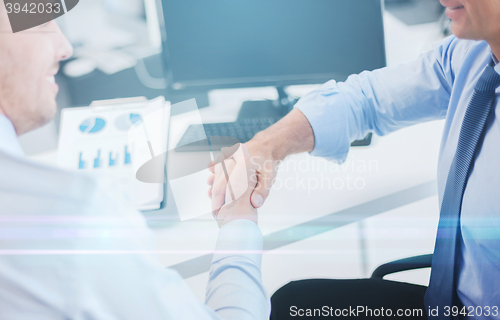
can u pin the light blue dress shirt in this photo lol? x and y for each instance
(437, 85)
(71, 248)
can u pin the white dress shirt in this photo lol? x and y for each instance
(71, 248)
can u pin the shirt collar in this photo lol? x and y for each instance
(8, 138)
(497, 64)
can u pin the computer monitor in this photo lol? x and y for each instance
(247, 43)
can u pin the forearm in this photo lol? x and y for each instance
(380, 101)
(235, 289)
(292, 134)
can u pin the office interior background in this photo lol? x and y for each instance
(390, 211)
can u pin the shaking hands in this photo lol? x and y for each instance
(252, 177)
(232, 182)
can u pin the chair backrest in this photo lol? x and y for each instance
(416, 262)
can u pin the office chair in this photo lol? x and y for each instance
(412, 263)
(375, 291)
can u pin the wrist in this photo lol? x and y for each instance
(253, 219)
(292, 134)
(275, 147)
(241, 237)
(282, 148)
(240, 209)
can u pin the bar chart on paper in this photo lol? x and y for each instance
(95, 139)
(102, 147)
(91, 158)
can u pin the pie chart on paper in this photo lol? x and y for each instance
(124, 122)
(92, 125)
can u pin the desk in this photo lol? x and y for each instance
(389, 210)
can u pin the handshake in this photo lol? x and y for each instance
(232, 182)
(240, 183)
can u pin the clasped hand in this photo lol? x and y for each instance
(232, 182)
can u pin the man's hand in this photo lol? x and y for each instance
(292, 134)
(232, 182)
(266, 163)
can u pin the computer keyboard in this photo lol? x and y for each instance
(194, 139)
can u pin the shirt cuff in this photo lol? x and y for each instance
(326, 111)
(239, 238)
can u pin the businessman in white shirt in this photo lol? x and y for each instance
(71, 248)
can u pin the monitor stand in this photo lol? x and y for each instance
(201, 98)
(267, 108)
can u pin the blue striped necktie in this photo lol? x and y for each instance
(442, 291)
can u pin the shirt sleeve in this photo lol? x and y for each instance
(235, 289)
(122, 277)
(379, 101)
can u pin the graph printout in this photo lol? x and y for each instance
(95, 139)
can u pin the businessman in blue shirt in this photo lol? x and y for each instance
(458, 81)
(73, 248)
